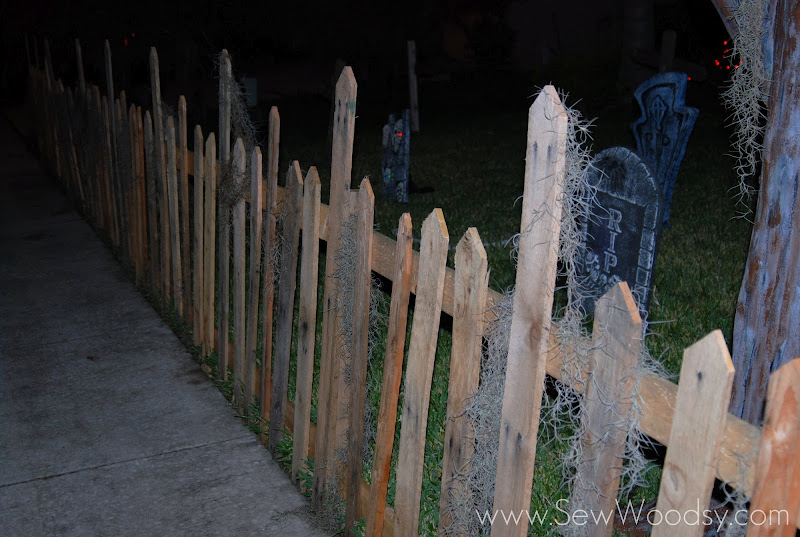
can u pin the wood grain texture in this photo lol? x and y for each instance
(287, 279)
(419, 371)
(341, 168)
(777, 485)
(268, 289)
(152, 211)
(239, 297)
(392, 375)
(198, 234)
(160, 172)
(471, 286)
(616, 342)
(704, 390)
(360, 344)
(209, 243)
(307, 320)
(251, 379)
(174, 219)
(182, 161)
(533, 301)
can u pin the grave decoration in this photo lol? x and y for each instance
(662, 133)
(395, 162)
(621, 234)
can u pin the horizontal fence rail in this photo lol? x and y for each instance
(178, 217)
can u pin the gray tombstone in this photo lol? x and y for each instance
(395, 162)
(621, 233)
(662, 132)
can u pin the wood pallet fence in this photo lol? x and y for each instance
(182, 251)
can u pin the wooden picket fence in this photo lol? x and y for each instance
(162, 215)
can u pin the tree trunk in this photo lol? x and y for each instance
(766, 330)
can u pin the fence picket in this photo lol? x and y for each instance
(133, 196)
(471, 288)
(268, 289)
(704, 391)
(307, 320)
(209, 243)
(419, 372)
(778, 472)
(292, 203)
(174, 215)
(251, 380)
(198, 270)
(223, 214)
(141, 192)
(238, 298)
(183, 201)
(616, 342)
(365, 209)
(115, 227)
(79, 61)
(161, 176)
(533, 301)
(392, 375)
(330, 362)
(154, 272)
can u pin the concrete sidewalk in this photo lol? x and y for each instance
(107, 426)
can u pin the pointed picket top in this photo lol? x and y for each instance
(344, 122)
(225, 75)
(79, 60)
(533, 302)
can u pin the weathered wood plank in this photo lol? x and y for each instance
(616, 342)
(209, 243)
(365, 209)
(152, 212)
(392, 375)
(182, 161)
(114, 179)
(239, 297)
(471, 286)
(161, 175)
(689, 467)
(533, 301)
(330, 363)
(251, 380)
(777, 486)
(287, 278)
(223, 214)
(141, 193)
(419, 372)
(268, 288)
(198, 270)
(174, 224)
(307, 320)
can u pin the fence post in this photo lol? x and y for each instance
(533, 301)
(392, 374)
(471, 289)
(113, 153)
(292, 205)
(79, 61)
(778, 469)
(330, 362)
(616, 343)
(307, 320)
(198, 272)
(152, 214)
(256, 216)
(704, 391)
(268, 290)
(365, 209)
(419, 372)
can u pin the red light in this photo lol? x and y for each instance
(716, 62)
(725, 42)
(133, 34)
(400, 134)
(727, 67)
(688, 78)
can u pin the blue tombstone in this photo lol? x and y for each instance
(396, 146)
(662, 132)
